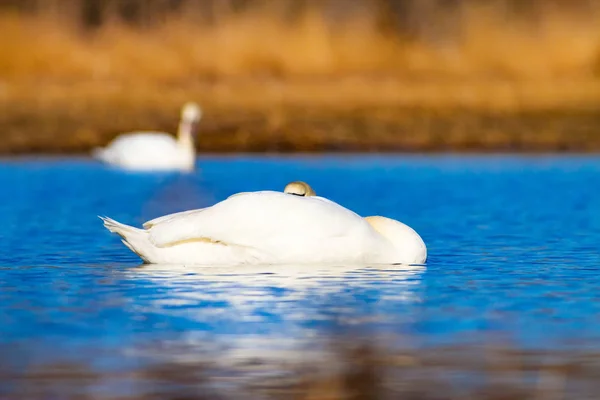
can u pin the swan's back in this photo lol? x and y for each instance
(149, 150)
(142, 141)
(280, 225)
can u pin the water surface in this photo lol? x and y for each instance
(512, 246)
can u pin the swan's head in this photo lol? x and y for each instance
(191, 112)
(299, 188)
(408, 246)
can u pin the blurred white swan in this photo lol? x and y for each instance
(152, 151)
(268, 227)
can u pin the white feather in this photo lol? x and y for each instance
(272, 228)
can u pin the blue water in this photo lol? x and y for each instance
(513, 255)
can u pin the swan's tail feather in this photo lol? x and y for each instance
(130, 247)
(119, 228)
(105, 155)
(133, 238)
(99, 153)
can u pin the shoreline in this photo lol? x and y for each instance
(336, 116)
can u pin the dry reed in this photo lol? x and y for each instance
(489, 42)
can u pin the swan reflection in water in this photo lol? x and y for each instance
(293, 277)
(278, 311)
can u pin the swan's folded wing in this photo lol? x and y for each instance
(139, 144)
(238, 194)
(164, 218)
(168, 217)
(143, 137)
(260, 219)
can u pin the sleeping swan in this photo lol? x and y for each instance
(269, 227)
(152, 151)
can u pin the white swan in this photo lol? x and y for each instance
(270, 227)
(155, 150)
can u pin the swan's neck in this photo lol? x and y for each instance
(185, 134)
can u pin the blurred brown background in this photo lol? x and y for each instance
(303, 75)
